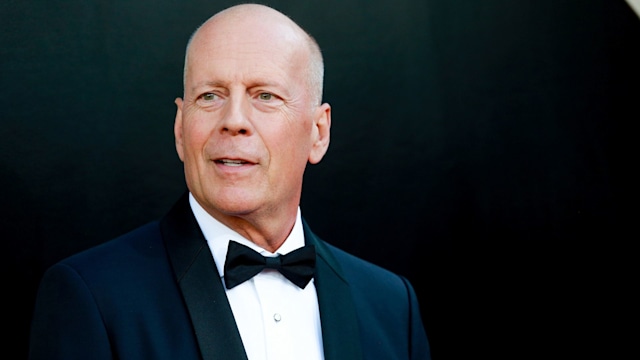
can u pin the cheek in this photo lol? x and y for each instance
(294, 146)
(195, 136)
(296, 132)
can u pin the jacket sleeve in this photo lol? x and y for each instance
(67, 323)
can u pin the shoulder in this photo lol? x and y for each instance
(352, 263)
(365, 274)
(136, 243)
(130, 271)
(385, 302)
(133, 254)
(358, 272)
(366, 280)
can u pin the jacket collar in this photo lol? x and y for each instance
(205, 298)
(201, 287)
(340, 332)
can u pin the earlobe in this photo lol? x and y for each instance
(321, 133)
(177, 129)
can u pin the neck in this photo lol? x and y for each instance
(267, 231)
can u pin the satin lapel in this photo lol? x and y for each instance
(340, 332)
(202, 289)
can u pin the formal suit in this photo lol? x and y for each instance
(155, 293)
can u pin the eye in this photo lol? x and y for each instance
(208, 96)
(265, 96)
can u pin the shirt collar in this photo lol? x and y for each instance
(218, 235)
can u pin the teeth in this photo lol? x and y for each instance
(232, 162)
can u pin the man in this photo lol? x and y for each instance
(250, 120)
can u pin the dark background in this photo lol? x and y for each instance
(483, 149)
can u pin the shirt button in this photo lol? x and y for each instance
(277, 317)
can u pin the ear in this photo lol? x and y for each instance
(320, 133)
(177, 129)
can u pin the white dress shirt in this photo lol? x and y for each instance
(277, 320)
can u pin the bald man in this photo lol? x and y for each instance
(233, 271)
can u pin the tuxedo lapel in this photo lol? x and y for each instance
(340, 332)
(202, 289)
(209, 309)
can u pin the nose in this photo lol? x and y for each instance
(236, 117)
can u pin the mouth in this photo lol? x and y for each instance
(232, 162)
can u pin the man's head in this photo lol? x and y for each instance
(316, 64)
(251, 117)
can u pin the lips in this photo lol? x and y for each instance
(234, 162)
(230, 162)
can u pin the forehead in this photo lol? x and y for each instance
(238, 49)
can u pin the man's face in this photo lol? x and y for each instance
(247, 127)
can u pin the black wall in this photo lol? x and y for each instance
(483, 149)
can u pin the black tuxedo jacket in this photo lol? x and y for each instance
(155, 293)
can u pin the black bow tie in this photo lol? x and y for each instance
(243, 263)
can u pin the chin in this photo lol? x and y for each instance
(234, 204)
